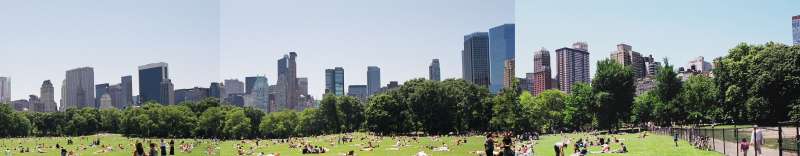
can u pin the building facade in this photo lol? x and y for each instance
(541, 78)
(167, 90)
(475, 59)
(233, 86)
(626, 56)
(100, 90)
(47, 93)
(373, 80)
(79, 88)
(358, 91)
(501, 49)
(434, 73)
(573, 66)
(191, 95)
(699, 64)
(216, 90)
(509, 74)
(334, 81)
(150, 78)
(258, 97)
(796, 29)
(5, 89)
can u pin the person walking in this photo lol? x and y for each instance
(489, 145)
(163, 148)
(675, 139)
(757, 139)
(744, 146)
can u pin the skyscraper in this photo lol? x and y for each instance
(357, 91)
(541, 71)
(501, 49)
(302, 85)
(233, 86)
(5, 89)
(79, 89)
(126, 90)
(508, 74)
(373, 80)
(216, 90)
(475, 59)
(334, 81)
(434, 71)
(47, 93)
(191, 95)
(626, 56)
(529, 77)
(796, 29)
(100, 90)
(287, 81)
(36, 104)
(150, 78)
(250, 82)
(258, 97)
(167, 92)
(573, 66)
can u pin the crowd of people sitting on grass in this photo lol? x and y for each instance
(581, 145)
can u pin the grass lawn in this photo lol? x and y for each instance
(652, 145)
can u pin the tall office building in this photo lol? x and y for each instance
(358, 91)
(475, 59)
(501, 49)
(287, 81)
(5, 89)
(258, 97)
(47, 93)
(126, 92)
(626, 56)
(250, 82)
(191, 95)
(334, 81)
(167, 92)
(216, 90)
(651, 66)
(508, 74)
(233, 86)
(100, 90)
(573, 66)
(796, 29)
(434, 72)
(302, 85)
(541, 78)
(117, 96)
(373, 80)
(79, 88)
(150, 78)
(36, 104)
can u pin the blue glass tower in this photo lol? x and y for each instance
(150, 78)
(501, 48)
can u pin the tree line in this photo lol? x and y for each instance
(758, 84)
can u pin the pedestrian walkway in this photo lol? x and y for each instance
(730, 148)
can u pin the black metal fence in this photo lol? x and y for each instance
(779, 140)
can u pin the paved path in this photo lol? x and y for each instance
(730, 149)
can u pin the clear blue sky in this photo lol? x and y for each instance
(41, 39)
(399, 36)
(675, 29)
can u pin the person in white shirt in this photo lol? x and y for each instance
(757, 139)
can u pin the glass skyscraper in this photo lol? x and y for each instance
(796, 29)
(334, 81)
(475, 58)
(150, 78)
(373, 79)
(501, 48)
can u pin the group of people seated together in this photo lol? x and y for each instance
(582, 145)
(509, 144)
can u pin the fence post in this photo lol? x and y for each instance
(780, 140)
(736, 136)
(724, 149)
(713, 143)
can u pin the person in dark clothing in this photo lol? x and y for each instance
(63, 152)
(163, 148)
(139, 149)
(507, 151)
(153, 150)
(171, 147)
(489, 145)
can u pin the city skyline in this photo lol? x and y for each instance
(220, 69)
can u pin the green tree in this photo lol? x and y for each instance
(211, 122)
(280, 124)
(579, 112)
(237, 125)
(699, 99)
(506, 108)
(618, 82)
